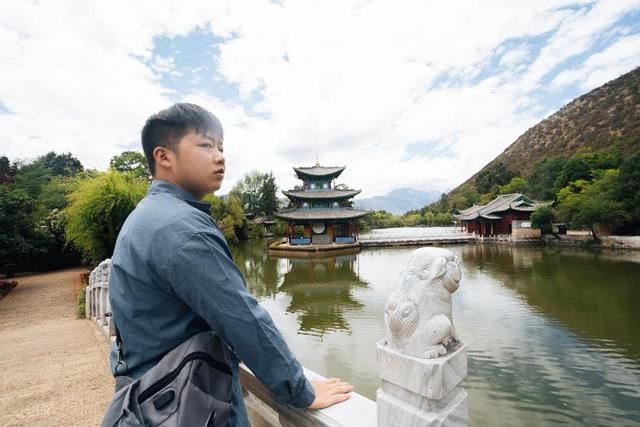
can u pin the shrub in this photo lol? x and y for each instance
(81, 303)
(6, 286)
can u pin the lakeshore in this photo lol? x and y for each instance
(422, 236)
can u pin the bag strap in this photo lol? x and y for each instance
(120, 363)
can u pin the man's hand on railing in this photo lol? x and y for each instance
(329, 392)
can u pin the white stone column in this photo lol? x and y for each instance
(422, 361)
(93, 302)
(421, 392)
(87, 305)
(104, 296)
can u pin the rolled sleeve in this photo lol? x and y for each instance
(204, 276)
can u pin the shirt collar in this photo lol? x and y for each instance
(159, 186)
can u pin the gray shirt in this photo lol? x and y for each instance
(172, 276)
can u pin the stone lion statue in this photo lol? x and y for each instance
(418, 313)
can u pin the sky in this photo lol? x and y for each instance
(418, 94)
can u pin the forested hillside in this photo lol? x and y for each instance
(585, 158)
(606, 117)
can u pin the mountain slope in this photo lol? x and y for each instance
(605, 117)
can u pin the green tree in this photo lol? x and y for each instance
(442, 205)
(133, 162)
(257, 193)
(53, 196)
(98, 208)
(61, 164)
(7, 171)
(268, 195)
(541, 181)
(607, 159)
(444, 218)
(628, 191)
(230, 217)
(55, 253)
(576, 168)
(18, 236)
(248, 191)
(543, 219)
(516, 185)
(411, 219)
(585, 204)
(496, 174)
(31, 177)
(465, 196)
(429, 218)
(381, 219)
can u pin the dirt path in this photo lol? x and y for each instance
(53, 367)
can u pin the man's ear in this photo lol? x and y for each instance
(163, 157)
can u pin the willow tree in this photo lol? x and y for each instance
(97, 210)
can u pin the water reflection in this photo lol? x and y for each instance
(320, 289)
(535, 327)
(553, 334)
(591, 293)
(262, 273)
(321, 292)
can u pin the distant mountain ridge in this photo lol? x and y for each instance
(399, 201)
(603, 118)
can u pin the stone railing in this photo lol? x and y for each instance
(97, 303)
(421, 380)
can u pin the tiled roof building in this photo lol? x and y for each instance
(321, 213)
(498, 216)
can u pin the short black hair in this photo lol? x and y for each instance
(167, 127)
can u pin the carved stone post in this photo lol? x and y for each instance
(87, 302)
(422, 361)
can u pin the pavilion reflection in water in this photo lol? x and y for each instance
(321, 291)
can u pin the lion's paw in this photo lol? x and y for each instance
(435, 351)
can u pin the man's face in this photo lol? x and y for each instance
(199, 164)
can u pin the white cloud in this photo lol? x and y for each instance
(351, 81)
(163, 65)
(515, 56)
(601, 67)
(577, 33)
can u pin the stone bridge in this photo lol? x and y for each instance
(414, 391)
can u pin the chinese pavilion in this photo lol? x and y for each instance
(321, 213)
(501, 216)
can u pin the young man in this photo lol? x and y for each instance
(172, 273)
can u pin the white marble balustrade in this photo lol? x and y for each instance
(97, 297)
(414, 392)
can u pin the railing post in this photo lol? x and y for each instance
(103, 304)
(422, 361)
(87, 302)
(97, 296)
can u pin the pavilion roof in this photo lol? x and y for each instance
(305, 214)
(321, 194)
(318, 171)
(502, 203)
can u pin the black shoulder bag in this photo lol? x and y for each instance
(190, 386)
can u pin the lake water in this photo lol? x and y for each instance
(553, 334)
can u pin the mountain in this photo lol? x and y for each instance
(399, 201)
(606, 117)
